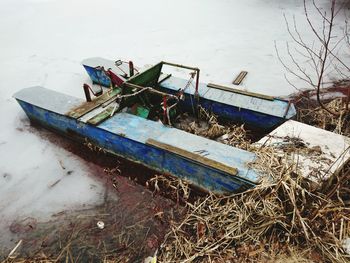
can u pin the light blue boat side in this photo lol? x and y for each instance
(255, 112)
(274, 107)
(126, 135)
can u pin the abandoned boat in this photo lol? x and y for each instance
(256, 111)
(134, 119)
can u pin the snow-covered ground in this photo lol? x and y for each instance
(43, 41)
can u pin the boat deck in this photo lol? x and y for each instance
(49, 99)
(228, 159)
(237, 98)
(142, 130)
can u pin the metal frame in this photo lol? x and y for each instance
(186, 67)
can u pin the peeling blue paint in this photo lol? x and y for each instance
(98, 76)
(125, 135)
(254, 112)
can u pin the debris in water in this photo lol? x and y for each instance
(100, 225)
(12, 254)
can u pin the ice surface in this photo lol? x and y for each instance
(346, 245)
(37, 177)
(43, 41)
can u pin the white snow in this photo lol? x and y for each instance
(327, 151)
(346, 245)
(43, 41)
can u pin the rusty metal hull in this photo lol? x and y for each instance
(128, 136)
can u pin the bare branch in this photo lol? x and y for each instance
(306, 76)
(323, 64)
(289, 70)
(319, 57)
(311, 24)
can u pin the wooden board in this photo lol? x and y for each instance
(240, 77)
(193, 156)
(89, 106)
(247, 93)
(101, 116)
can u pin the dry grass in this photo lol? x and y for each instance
(316, 116)
(299, 222)
(208, 126)
(287, 212)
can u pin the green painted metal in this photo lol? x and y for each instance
(97, 119)
(147, 78)
(142, 112)
(139, 110)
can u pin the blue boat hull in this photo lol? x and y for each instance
(160, 160)
(98, 76)
(253, 120)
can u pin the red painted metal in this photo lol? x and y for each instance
(86, 88)
(115, 79)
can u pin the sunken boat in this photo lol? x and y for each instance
(132, 114)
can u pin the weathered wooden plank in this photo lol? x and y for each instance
(247, 93)
(193, 156)
(240, 77)
(89, 106)
(101, 116)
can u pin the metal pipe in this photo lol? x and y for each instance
(86, 88)
(196, 93)
(186, 67)
(165, 109)
(152, 90)
(179, 65)
(131, 68)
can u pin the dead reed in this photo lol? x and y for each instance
(285, 214)
(171, 187)
(316, 116)
(208, 126)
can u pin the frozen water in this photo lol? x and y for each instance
(43, 41)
